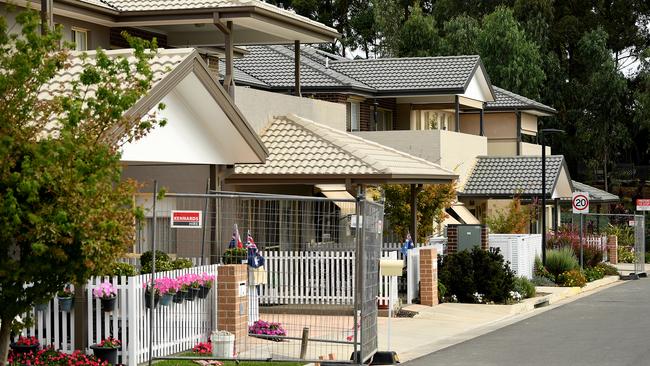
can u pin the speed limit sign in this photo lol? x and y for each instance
(580, 202)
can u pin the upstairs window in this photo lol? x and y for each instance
(354, 116)
(384, 120)
(80, 39)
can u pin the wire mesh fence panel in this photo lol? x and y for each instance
(639, 243)
(288, 278)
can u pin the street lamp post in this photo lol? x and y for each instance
(541, 139)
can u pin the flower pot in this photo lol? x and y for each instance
(192, 293)
(65, 304)
(19, 348)
(166, 299)
(105, 354)
(108, 303)
(203, 292)
(147, 300)
(179, 296)
(41, 307)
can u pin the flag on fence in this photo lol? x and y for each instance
(255, 260)
(235, 242)
(408, 244)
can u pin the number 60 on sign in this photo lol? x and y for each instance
(580, 202)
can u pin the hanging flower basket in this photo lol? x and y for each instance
(207, 281)
(41, 307)
(179, 296)
(147, 299)
(203, 292)
(166, 299)
(107, 294)
(167, 287)
(192, 293)
(65, 298)
(25, 345)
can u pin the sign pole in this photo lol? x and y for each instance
(581, 250)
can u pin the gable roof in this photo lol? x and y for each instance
(506, 177)
(595, 195)
(169, 67)
(302, 150)
(507, 100)
(323, 71)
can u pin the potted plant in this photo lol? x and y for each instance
(107, 294)
(167, 287)
(42, 306)
(234, 256)
(148, 289)
(190, 284)
(65, 298)
(106, 350)
(25, 345)
(207, 280)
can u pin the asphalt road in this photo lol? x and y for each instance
(611, 327)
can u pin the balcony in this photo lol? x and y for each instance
(452, 150)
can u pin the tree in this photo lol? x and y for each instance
(461, 36)
(418, 36)
(514, 220)
(433, 199)
(511, 59)
(64, 212)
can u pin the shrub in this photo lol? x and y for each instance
(513, 220)
(560, 260)
(625, 254)
(182, 263)
(624, 233)
(162, 262)
(572, 278)
(592, 254)
(442, 291)
(123, 269)
(523, 286)
(234, 255)
(543, 281)
(608, 269)
(541, 271)
(467, 273)
(594, 273)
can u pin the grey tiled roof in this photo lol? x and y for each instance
(508, 100)
(450, 72)
(299, 147)
(274, 66)
(595, 194)
(508, 176)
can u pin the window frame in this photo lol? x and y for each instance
(77, 30)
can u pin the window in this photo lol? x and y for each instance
(431, 119)
(354, 116)
(80, 39)
(384, 120)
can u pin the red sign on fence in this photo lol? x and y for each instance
(186, 219)
(643, 204)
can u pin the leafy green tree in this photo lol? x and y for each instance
(418, 36)
(433, 199)
(511, 59)
(461, 36)
(64, 211)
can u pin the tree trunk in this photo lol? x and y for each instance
(5, 333)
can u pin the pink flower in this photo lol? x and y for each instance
(105, 290)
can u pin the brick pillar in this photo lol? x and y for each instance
(232, 309)
(485, 241)
(612, 249)
(452, 239)
(428, 277)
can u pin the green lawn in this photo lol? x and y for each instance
(225, 363)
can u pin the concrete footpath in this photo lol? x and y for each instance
(438, 327)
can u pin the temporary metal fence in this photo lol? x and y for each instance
(333, 311)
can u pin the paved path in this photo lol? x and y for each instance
(611, 327)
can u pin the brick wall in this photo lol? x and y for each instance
(428, 277)
(612, 249)
(452, 238)
(232, 312)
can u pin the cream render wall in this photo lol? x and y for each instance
(259, 107)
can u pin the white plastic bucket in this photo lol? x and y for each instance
(223, 344)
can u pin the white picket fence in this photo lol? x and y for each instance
(176, 328)
(319, 277)
(519, 249)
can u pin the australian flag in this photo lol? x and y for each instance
(235, 242)
(408, 244)
(255, 260)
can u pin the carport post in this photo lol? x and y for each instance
(415, 189)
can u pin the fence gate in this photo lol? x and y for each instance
(315, 297)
